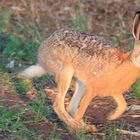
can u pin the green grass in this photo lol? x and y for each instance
(11, 123)
(111, 132)
(136, 89)
(45, 80)
(42, 106)
(15, 119)
(80, 20)
(19, 40)
(80, 23)
(15, 48)
(115, 40)
(23, 86)
(82, 135)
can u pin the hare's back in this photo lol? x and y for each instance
(79, 45)
(88, 44)
(85, 50)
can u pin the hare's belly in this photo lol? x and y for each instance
(116, 81)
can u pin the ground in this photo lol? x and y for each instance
(26, 106)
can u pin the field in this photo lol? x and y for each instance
(26, 105)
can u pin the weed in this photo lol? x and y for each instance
(54, 134)
(18, 39)
(5, 20)
(130, 45)
(81, 134)
(115, 40)
(14, 47)
(111, 132)
(80, 22)
(41, 106)
(11, 123)
(23, 86)
(41, 82)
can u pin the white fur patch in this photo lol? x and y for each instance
(78, 95)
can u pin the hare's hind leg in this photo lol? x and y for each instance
(64, 80)
(121, 107)
(76, 98)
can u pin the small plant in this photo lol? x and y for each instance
(11, 123)
(55, 135)
(115, 40)
(13, 47)
(80, 22)
(41, 82)
(23, 86)
(136, 89)
(82, 135)
(5, 20)
(41, 106)
(111, 132)
(18, 40)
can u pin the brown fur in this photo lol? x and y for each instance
(98, 68)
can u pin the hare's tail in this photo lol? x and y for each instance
(33, 71)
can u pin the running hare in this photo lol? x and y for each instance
(98, 68)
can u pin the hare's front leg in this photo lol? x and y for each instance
(64, 80)
(88, 96)
(121, 107)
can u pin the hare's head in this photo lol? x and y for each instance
(136, 33)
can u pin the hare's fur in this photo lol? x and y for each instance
(98, 68)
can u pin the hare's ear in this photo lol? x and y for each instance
(136, 26)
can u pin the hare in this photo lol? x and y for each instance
(98, 68)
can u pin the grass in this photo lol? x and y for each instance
(80, 19)
(14, 47)
(136, 89)
(23, 86)
(15, 119)
(11, 123)
(80, 22)
(111, 132)
(42, 106)
(15, 125)
(18, 39)
(82, 135)
(23, 49)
